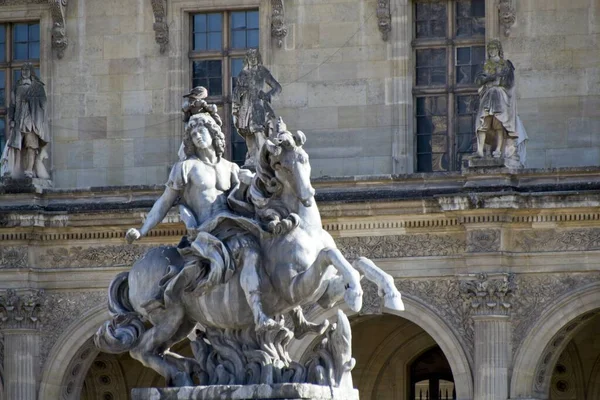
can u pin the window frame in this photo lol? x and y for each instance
(10, 65)
(451, 42)
(225, 55)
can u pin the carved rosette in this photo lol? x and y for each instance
(161, 28)
(507, 15)
(278, 27)
(384, 18)
(58, 8)
(486, 295)
(21, 309)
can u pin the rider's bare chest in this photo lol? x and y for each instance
(206, 176)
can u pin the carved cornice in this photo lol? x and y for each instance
(384, 18)
(278, 28)
(507, 15)
(94, 256)
(161, 28)
(21, 309)
(488, 295)
(58, 9)
(483, 240)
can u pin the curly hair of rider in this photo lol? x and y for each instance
(206, 120)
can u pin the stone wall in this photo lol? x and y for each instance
(555, 46)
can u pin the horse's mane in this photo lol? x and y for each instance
(266, 190)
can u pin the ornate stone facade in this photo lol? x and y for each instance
(161, 28)
(487, 295)
(90, 256)
(21, 309)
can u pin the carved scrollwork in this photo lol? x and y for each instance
(584, 239)
(161, 28)
(278, 28)
(58, 8)
(21, 310)
(489, 295)
(106, 256)
(13, 257)
(483, 240)
(384, 18)
(507, 15)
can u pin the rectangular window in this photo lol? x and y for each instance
(19, 43)
(219, 41)
(449, 53)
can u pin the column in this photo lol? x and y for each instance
(19, 323)
(488, 296)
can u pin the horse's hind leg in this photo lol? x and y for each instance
(148, 350)
(385, 283)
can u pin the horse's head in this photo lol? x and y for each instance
(284, 155)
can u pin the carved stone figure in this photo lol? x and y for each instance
(252, 109)
(28, 135)
(195, 104)
(255, 252)
(497, 122)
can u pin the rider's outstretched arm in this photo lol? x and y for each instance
(160, 209)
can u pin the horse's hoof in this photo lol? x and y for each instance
(354, 299)
(393, 302)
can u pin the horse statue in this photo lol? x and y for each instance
(300, 266)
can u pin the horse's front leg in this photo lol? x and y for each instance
(303, 285)
(385, 283)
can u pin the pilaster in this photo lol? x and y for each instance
(489, 298)
(20, 312)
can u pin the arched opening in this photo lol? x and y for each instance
(392, 355)
(431, 377)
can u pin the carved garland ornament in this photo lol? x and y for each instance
(58, 9)
(21, 310)
(161, 28)
(278, 27)
(507, 15)
(384, 18)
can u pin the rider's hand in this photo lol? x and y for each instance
(132, 234)
(245, 176)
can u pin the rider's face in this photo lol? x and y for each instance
(201, 137)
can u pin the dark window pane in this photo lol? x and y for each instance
(463, 75)
(252, 39)
(200, 41)
(252, 19)
(420, 105)
(465, 124)
(424, 125)
(238, 40)
(423, 58)
(423, 144)
(2, 134)
(2, 88)
(463, 27)
(470, 17)
(463, 56)
(238, 20)
(438, 57)
(2, 33)
(21, 32)
(422, 29)
(34, 32)
(465, 143)
(424, 163)
(422, 76)
(469, 61)
(438, 76)
(430, 18)
(214, 41)
(21, 51)
(2, 52)
(34, 50)
(478, 54)
(422, 11)
(200, 24)
(215, 86)
(438, 28)
(478, 8)
(208, 73)
(215, 22)
(214, 68)
(236, 66)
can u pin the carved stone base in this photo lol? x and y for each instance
(286, 391)
(24, 185)
(474, 161)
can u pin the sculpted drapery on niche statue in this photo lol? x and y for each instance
(26, 147)
(497, 121)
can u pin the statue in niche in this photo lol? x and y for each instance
(252, 111)
(28, 138)
(497, 122)
(255, 253)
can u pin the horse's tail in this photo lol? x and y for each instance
(123, 331)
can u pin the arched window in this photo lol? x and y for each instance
(431, 377)
(449, 46)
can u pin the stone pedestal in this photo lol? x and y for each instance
(24, 185)
(492, 356)
(286, 391)
(21, 363)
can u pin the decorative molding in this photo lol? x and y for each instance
(384, 18)
(444, 298)
(21, 309)
(161, 28)
(13, 257)
(19, 2)
(393, 246)
(398, 224)
(77, 371)
(536, 292)
(94, 256)
(488, 295)
(544, 370)
(278, 28)
(483, 240)
(507, 15)
(58, 8)
(544, 240)
(66, 307)
(105, 378)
